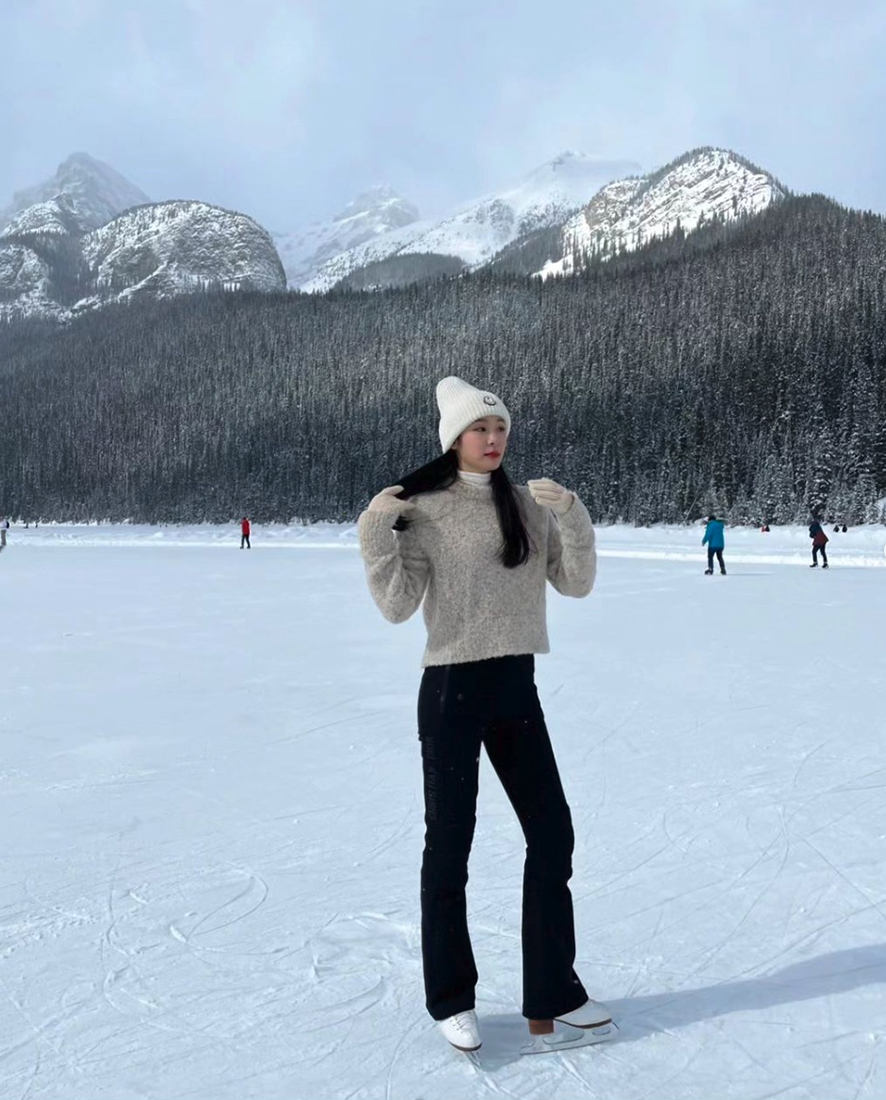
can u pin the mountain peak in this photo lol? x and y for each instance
(568, 156)
(81, 159)
(373, 213)
(376, 199)
(699, 186)
(476, 230)
(92, 191)
(572, 164)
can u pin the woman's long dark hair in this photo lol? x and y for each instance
(439, 474)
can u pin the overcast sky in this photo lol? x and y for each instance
(286, 108)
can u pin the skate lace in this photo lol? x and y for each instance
(463, 1021)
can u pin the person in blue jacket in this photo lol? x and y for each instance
(713, 536)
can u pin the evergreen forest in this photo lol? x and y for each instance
(739, 369)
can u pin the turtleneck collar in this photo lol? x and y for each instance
(480, 480)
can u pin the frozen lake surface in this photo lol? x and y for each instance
(211, 812)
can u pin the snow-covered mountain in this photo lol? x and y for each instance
(160, 249)
(370, 215)
(701, 186)
(88, 237)
(52, 218)
(175, 247)
(477, 230)
(83, 194)
(26, 285)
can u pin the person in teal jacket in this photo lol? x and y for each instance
(715, 539)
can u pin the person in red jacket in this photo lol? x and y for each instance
(245, 531)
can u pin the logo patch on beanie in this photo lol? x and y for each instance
(488, 399)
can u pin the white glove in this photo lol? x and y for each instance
(551, 495)
(388, 501)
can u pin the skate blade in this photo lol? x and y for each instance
(585, 1027)
(569, 1038)
(466, 1050)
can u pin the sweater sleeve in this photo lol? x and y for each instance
(396, 567)
(572, 554)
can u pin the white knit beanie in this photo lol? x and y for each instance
(460, 404)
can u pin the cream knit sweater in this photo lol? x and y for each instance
(474, 607)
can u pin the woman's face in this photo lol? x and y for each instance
(481, 447)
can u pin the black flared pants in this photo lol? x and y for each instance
(493, 703)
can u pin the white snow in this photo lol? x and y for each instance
(212, 824)
(371, 214)
(45, 219)
(476, 230)
(128, 245)
(25, 275)
(714, 183)
(186, 244)
(91, 192)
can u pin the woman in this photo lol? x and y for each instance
(458, 536)
(819, 542)
(716, 542)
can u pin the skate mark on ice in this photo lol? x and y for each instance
(807, 756)
(871, 902)
(312, 714)
(392, 1064)
(357, 962)
(406, 825)
(253, 893)
(712, 953)
(37, 1035)
(856, 810)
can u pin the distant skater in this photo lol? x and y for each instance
(4, 527)
(819, 542)
(716, 541)
(245, 531)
